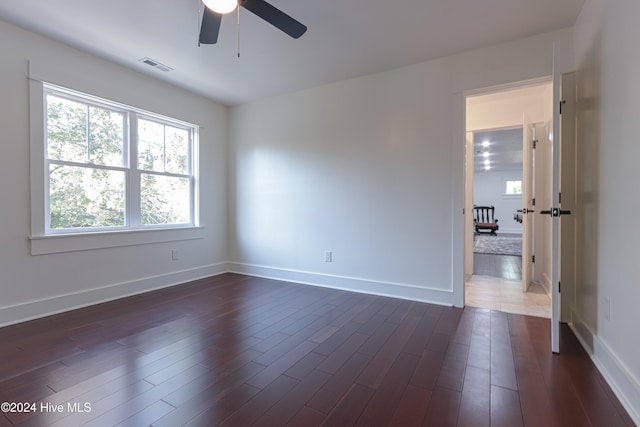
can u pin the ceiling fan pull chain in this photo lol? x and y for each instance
(238, 31)
(198, 21)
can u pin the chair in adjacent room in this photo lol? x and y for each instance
(484, 220)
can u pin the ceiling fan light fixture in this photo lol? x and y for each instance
(221, 6)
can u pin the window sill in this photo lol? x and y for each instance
(72, 242)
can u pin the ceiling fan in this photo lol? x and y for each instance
(215, 9)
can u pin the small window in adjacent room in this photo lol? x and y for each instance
(513, 188)
(108, 166)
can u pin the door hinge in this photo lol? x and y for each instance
(535, 143)
(562, 102)
(533, 201)
(559, 287)
(559, 197)
(533, 258)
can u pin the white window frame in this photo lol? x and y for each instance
(45, 240)
(504, 188)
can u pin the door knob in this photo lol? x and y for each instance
(556, 212)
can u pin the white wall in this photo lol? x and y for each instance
(608, 67)
(506, 108)
(342, 168)
(489, 188)
(32, 286)
(371, 169)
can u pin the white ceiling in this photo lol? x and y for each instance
(505, 150)
(346, 38)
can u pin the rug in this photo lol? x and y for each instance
(497, 245)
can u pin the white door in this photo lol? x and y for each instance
(468, 206)
(568, 199)
(527, 196)
(554, 210)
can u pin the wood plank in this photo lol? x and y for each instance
(428, 370)
(505, 408)
(250, 412)
(503, 372)
(208, 409)
(284, 411)
(335, 360)
(305, 365)
(215, 385)
(453, 367)
(475, 402)
(147, 415)
(278, 367)
(412, 407)
(307, 417)
(383, 404)
(443, 408)
(332, 391)
(348, 410)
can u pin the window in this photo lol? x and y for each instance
(513, 188)
(112, 167)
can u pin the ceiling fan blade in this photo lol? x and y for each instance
(210, 27)
(275, 17)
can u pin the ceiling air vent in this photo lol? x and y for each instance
(156, 64)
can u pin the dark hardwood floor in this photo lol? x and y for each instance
(504, 266)
(239, 351)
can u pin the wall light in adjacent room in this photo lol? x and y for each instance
(221, 6)
(485, 144)
(487, 168)
(485, 154)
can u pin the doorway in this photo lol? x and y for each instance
(500, 124)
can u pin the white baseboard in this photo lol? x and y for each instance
(61, 303)
(623, 383)
(582, 331)
(354, 284)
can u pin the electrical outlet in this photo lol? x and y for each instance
(174, 255)
(328, 256)
(607, 308)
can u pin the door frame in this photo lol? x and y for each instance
(467, 169)
(567, 268)
(469, 184)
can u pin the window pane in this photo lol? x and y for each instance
(177, 150)
(164, 200)
(66, 130)
(150, 146)
(89, 160)
(514, 187)
(106, 137)
(86, 197)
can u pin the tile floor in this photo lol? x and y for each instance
(495, 293)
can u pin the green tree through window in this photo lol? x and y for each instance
(104, 175)
(513, 187)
